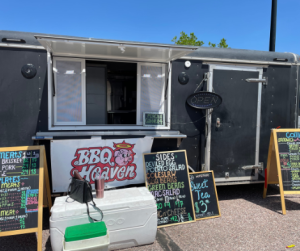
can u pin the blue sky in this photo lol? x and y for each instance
(244, 24)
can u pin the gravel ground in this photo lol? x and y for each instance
(248, 222)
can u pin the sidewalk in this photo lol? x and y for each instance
(248, 222)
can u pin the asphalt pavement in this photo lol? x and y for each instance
(247, 222)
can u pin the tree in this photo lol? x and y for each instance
(184, 39)
(222, 44)
(211, 44)
(187, 40)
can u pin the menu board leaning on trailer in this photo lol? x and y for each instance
(167, 178)
(23, 171)
(283, 166)
(205, 195)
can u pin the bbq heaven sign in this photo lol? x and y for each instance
(120, 161)
(204, 100)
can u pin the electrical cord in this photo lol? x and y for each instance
(204, 79)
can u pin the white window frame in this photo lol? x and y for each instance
(83, 92)
(81, 127)
(138, 109)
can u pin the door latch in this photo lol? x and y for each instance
(218, 123)
(264, 80)
(259, 167)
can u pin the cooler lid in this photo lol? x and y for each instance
(116, 200)
(85, 231)
(112, 49)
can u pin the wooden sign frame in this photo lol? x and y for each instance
(43, 176)
(213, 176)
(187, 167)
(273, 170)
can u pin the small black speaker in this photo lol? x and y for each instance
(183, 78)
(28, 71)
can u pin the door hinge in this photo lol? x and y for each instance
(206, 76)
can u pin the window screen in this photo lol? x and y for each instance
(152, 84)
(69, 96)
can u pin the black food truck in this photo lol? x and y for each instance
(71, 88)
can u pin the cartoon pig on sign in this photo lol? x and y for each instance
(123, 157)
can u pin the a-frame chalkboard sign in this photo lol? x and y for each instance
(283, 166)
(23, 171)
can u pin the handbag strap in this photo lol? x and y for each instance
(69, 187)
(94, 204)
(68, 191)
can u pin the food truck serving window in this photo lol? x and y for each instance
(103, 93)
(107, 84)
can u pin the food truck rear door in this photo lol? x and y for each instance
(233, 131)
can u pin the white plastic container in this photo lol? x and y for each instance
(130, 216)
(93, 244)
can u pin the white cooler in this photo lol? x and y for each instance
(130, 215)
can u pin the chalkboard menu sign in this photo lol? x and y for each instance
(21, 190)
(166, 175)
(283, 166)
(204, 195)
(154, 119)
(289, 155)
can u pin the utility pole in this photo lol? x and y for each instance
(273, 26)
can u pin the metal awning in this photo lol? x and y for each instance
(108, 49)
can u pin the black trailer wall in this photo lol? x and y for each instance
(188, 120)
(278, 107)
(279, 103)
(20, 100)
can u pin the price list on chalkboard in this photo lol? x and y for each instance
(167, 179)
(204, 194)
(289, 157)
(19, 189)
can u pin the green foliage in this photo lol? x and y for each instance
(211, 44)
(184, 39)
(187, 40)
(223, 43)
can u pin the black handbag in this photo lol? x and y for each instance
(81, 191)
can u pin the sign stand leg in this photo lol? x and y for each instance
(40, 205)
(279, 174)
(273, 170)
(266, 183)
(282, 199)
(268, 166)
(47, 183)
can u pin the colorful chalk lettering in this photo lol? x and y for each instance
(167, 179)
(19, 183)
(289, 157)
(204, 194)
